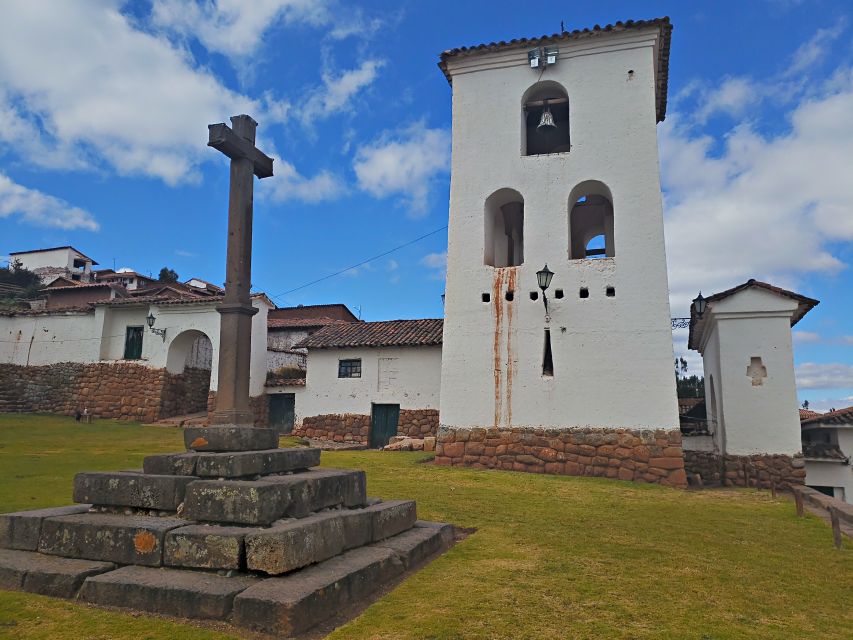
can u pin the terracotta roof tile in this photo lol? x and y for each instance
(302, 323)
(823, 451)
(391, 333)
(805, 414)
(663, 24)
(840, 416)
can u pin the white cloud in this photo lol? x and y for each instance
(235, 28)
(772, 207)
(83, 87)
(404, 164)
(825, 404)
(437, 262)
(806, 337)
(733, 96)
(183, 253)
(812, 375)
(815, 49)
(393, 265)
(41, 209)
(338, 91)
(289, 184)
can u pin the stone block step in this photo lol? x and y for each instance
(293, 604)
(47, 575)
(21, 530)
(107, 537)
(227, 438)
(175, 592)
(296, 544)
(263, 501)
(232, 464)
(129, 489)
(207, 546)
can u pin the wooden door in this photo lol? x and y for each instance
(383, 424)
(282, 411)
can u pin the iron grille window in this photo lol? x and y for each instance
(133, 343)
(349, 368)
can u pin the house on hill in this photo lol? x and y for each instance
(55, 262)
(828, 448)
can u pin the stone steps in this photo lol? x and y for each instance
(233, 529)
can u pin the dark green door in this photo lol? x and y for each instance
(282, 411)
(383, 424)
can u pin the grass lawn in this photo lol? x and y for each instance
(553, 557)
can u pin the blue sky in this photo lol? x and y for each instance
(104, 106)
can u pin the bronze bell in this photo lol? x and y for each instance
(547, 120)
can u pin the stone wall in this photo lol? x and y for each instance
(123, 390)
(349, 427)
(642, 456)
(417, 423)
(260, 406)
(746, 471)
(185, 392)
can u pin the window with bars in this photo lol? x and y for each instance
(133, 343)
(349, 368)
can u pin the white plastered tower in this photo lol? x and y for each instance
(513, 191)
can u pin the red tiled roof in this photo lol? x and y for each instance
(697, 324)
(840, 416)
(301, 323)
(663, 24)
(391, 333)
(805, 413)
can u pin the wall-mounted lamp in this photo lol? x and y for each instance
(543, 277)
(151, 320)
(699, 304)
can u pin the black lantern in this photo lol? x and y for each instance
(544, 277)
(160, 332)
(699, 304)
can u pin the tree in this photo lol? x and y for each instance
(806, 405)
(167, 275)
(692, 387)
(18, 282)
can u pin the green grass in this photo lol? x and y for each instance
(553, 557)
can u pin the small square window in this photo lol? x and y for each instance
(611, 291)
(584, 292)
(534, 295)
(558, 293)
(349, 368)
(510, 296)
(486, 297)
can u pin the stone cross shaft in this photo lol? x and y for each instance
(236, 311)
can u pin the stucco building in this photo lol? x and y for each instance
(54, 262)
(828, 449)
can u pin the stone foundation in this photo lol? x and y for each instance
(260, 406)
(115, 390)
(346, 427)
(185, 392)
(760, 470)
(626, 454)
(418, 423)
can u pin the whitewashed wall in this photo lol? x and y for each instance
(612, 355)
(415, 384)
(57, 337)
(753, 419)
(57, 258)
(99, 335)
(835, 474)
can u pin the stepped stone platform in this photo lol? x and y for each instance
(233, 529)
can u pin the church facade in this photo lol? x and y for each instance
(555, 163)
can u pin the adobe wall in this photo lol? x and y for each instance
(758, 470)
(626, 454)
(122, 391)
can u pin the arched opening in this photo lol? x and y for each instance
(504, 229)
(188, 365)
(545, 112)
(591, 221)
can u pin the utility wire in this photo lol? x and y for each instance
(363, 262)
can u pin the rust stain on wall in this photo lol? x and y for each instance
(497, 288)
(144, 542)
(510, 371)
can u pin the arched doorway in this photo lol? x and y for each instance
(188, 365)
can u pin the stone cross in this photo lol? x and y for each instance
(757, 371)
(236, 310)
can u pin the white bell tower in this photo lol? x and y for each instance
(555, 162)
